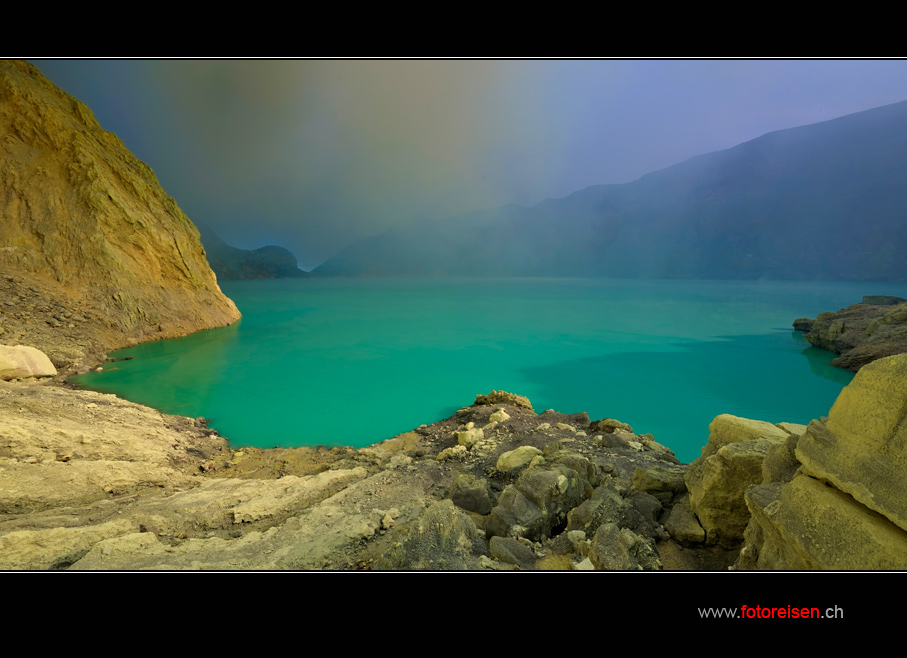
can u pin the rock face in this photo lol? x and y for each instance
(840, 502)
(861, 333)
(730, 463)
(228, 262)
(87, 231)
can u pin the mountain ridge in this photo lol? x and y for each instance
(822, 201)
(230, 263)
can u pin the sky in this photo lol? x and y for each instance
(314, 154)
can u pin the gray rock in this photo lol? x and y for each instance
(537, 503)
(442, 537)
(471, 494)
(620, 549)
(882, 300)
(512, 551)
(683, 525)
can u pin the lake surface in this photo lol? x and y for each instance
(353, 361)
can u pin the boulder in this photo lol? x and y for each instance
(730, 463)
(620, 549)
(23, 361)
(833, 497)
(513, 460)
(537, 502)
(472, 494)
(862, 448)
(807, 524)
(512, 551)
(683, 525)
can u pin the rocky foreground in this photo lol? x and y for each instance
(861, 333)
(89, 481)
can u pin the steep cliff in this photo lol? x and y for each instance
(88, 231)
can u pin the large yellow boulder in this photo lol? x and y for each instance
(862, 449)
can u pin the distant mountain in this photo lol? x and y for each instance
(824, 201)
(232, 263)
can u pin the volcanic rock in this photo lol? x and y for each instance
(87, 225)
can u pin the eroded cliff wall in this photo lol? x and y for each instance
(86, 228)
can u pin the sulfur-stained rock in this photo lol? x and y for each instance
(609, 425)
(730, 463)
(807, 524)
(56, 548)
(90, 226)
(659, 478)
(861, 333)
(469, 437)
(503, 397)
(68, 447)
(513, 460)
(862, 448)
(781, 461)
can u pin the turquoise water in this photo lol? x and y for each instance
(356, 361)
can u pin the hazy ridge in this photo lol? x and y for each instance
(823, 201)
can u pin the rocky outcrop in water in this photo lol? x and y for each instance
(861, 333)
(92, 251)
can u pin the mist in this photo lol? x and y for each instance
(312, 155)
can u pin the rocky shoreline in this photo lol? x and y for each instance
(861, 333)
(90, 481)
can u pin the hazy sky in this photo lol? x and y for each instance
(312, 155)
